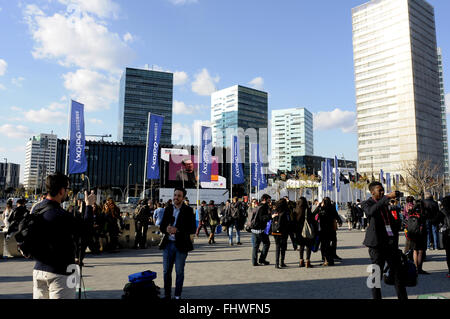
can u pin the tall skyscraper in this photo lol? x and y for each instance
(292, 135)
(9, 175)
(141, 92)
(243, 111)
(40, 160)
(443, 117)
(397, 85)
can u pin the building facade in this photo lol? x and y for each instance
(40, 160)
(141, 92)
(243, 111)
(397, 85)
(311, 165)
(443, 117)
(9, 175)
(292, 135)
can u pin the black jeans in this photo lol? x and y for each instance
(141, 234)
(257, 239)
(302, 251)
(392, 256)
(280, 247)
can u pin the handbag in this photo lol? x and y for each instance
(307, 231)
(218, 229)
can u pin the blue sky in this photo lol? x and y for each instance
(298, 51)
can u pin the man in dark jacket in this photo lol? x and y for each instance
(141, 220)
(431, 211)
(382, 236)
(258, 224)
(203, 220)
(17, 215)
(50, 274)
(177, 225)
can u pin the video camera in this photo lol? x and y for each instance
(399, 194)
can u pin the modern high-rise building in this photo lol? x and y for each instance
(292, 135)
(141, 92)
(443, 117)
(243, 111)
(40, 160)
(397, 85)
(9, 175)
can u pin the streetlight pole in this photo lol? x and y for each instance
(128, 180)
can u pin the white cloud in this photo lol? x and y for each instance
(204, 83)
(18, 81)
(49, 115)
(15, 131)
(179, 78)
(93, 89)
(181, 108)
(101, 8)
(76, 40)
(181, 134)
(183, 2)
(257, 83)
(2, 87)
(344, 120)
(128, 37)
(3, 67)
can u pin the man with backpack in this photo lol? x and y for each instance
(431, 211)
(417, 234)
(382, 237)
(47, 235)
(236, 215)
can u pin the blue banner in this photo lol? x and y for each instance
(77, 157)
(238, 173)
(329, 175)
(154, 134)
(206, 154)
(337, 175)
(254, 164)
(381, 177)
(388, 182)
(324, 177)
(262, 183)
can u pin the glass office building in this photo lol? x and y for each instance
(397, 85)
(444, 117)
(243, 111)
(141, 92)
(292, 135)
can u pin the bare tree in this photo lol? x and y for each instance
(421, 176)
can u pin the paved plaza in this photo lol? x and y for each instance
(222, 272)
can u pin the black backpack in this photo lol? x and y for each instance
(414, 228)
(30, 236)
(276, 225)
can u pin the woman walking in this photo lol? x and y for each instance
(213, 220)
(303, 214)
(327, 216)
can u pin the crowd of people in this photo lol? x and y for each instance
(311, 227)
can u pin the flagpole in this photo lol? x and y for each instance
(231, 166)
(146, 155)
(250, 164)
(198, 165)
(68, 138)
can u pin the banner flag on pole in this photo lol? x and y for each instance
(254, 165)
(262, 183)
(206, 154)
(154, 134)
(388, 182)
(329, 175)
(324, 177)
(238, 172)
(381, 176)
(77, 157)
(337, 175)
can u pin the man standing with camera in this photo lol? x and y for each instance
(382, 236)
